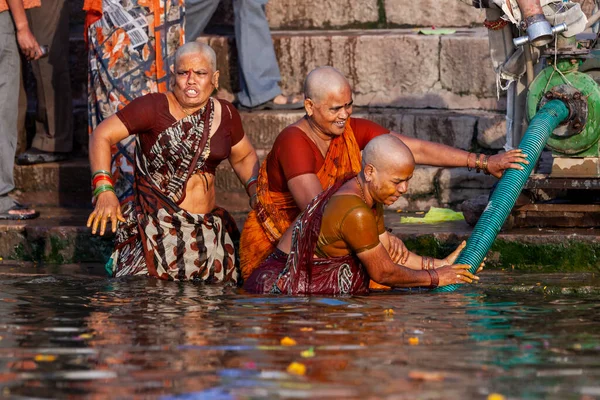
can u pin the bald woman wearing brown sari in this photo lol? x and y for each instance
(322, 148)
(338, 243)
(173, 228)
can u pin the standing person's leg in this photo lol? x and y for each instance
(259, 71)
(197, 15)
(10, 68)
(54, 120)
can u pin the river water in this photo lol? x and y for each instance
(78, 335)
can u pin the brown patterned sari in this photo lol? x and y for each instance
(161, 239)
(300, 273)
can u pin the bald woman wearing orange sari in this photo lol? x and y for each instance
(321, 149)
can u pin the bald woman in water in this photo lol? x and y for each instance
(338, 243)
(322, 148)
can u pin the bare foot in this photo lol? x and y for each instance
(281, 99)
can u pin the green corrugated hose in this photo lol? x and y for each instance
(509, 187)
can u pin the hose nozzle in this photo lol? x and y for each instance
(539, 31)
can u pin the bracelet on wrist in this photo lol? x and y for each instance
(435, 279)
(468, 158)
(484, 165)
(100, 178)
(477, 163)
(101, 171)
(103, 188)
(252, 181)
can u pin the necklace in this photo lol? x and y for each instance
(362, 192)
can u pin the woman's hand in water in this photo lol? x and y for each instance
(453, 274)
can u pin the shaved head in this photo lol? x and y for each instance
(197, 48)
(388, 165)
(323, 80)
(387, 152)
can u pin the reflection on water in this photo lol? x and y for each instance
(97, 338)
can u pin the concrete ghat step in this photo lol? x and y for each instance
(328, 14)
(59, 236)
(387, 68)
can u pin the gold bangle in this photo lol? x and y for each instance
(477, 163)
(468, 166)
(485, 165)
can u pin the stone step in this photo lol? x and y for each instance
(67, 183)
(387, 68)
(337, 14)
(59, 236)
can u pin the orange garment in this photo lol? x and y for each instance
(93, 10)
(27, 4)
(277, 210)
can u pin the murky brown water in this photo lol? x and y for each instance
(83, 336)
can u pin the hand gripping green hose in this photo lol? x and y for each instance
(504, 197)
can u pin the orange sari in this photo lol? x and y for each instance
(276, 211)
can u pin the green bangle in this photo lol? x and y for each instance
(103, 188)
(101, 171)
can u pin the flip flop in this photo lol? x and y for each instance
(35, 156)
(20, 213)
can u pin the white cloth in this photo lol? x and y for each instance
(555, 12)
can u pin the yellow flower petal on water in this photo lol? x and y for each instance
(309, 353)
(86, 336)
(296, 368)
(44, 358)
(495, 396)
(413, 341)
(288, 341)
(306, 329)
(389, 311)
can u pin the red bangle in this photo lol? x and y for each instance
(101, 177)
(253, 182)
(435, 279)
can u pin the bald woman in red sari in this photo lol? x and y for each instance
(322, 148)
(173, 228)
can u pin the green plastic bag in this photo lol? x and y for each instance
(434, 215)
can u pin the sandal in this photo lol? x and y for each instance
(35, 156)
(19, 212)
(271, 105)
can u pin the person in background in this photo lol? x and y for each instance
(53, 140)
(14, 28)
(259, 71)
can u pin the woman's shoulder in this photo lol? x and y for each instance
(228, 110)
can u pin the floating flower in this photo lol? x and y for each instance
(309, 353)
(44, 358)
(296, 368)
(413, 341)
(288, 341)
